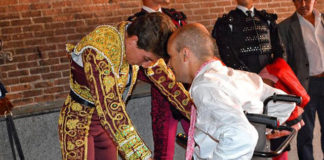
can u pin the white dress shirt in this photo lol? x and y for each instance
(314, 42)
(244, 9)
(221, 94)
(150, 10)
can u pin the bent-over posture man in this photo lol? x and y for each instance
(220, 94)
(93, 121)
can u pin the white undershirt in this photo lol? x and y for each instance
(244, 9)
(150, 10)
(314, 42)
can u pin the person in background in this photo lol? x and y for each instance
(221, 95)
(248, 40)
(165, 117)
(303, 38)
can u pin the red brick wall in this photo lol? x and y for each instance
(36, 31)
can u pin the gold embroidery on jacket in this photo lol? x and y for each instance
(74, 125)
(161, 75)
(108, 78)
(107, 71)
(82, 91)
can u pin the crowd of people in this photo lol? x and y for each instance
(210, 96)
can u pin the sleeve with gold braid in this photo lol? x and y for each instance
(103, 83)
(164, 80)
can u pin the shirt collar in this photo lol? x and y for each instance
(204, 67)
(317, 14)
(205, 64)
(150, 10)
(244, 9)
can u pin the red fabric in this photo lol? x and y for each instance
(177, 23)
(5, 106)
(288, 82)
(282, 156)
(100, 145)
(164, 124)
(191, 141)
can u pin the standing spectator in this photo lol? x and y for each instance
(303, 37)
(165, 117)
(247, 38)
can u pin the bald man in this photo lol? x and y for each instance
(220, 94)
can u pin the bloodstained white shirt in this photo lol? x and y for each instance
(221, 94)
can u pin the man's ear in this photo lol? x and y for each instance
(185, 54)
(133, 39)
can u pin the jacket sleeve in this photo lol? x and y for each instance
(111, 109)
(163, 78)
(221, 32)
(286, 40)
(277, 45)
(141, 75)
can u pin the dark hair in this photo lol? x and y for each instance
(153, 31)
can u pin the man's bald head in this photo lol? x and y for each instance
(196, 38)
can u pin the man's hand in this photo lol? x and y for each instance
(268, 82)
(300, 110)
(278, 134)
(299, 125)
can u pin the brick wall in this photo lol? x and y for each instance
(36, 31)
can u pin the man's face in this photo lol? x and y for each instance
(162, 2)
(304, 7)
(177, 63)
(245, 3)
(137, 56)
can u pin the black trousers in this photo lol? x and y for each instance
(316, 104)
